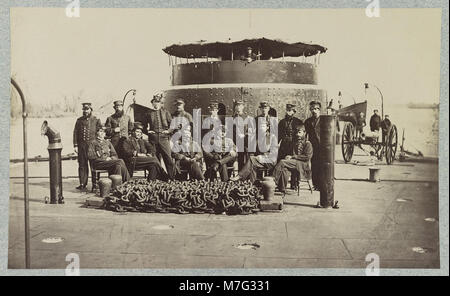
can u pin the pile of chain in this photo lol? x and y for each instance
(183, 197)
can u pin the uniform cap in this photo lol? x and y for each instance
(180, 102)
(118, 103)
(299, 126)
(290, 107)
(86, 106)
(138, 125)
(263, 104)
(314, 103)
(213, 105)
(101, 127)
(157, 97)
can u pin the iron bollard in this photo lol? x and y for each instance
(116, 181)
(326, 152)
(105, 186)
(374, 175)
(54, 151)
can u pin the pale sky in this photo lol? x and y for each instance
(105, 52)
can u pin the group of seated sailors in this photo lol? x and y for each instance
(126, 150)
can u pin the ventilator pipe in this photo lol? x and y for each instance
(54, 151)
(25, 176)
(54, 137)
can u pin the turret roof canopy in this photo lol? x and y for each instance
(267, 47)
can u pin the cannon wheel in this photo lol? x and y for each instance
(391, 144)
(347, 141)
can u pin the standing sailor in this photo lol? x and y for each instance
(312, 126)
(157, 127)
(84, 132)
(118, 126)
(180, 112)
(240, 132)
(286, 135)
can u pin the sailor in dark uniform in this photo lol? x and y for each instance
(286, 135)
(157, 127)
(140, 154)
(297, 161)
(221, 158)
(216, 121)
(264, 108)
(264, 159)
(104, 157)
(188, 157)
(240, 132)
(286, 131)
(249, 56)
(375, 121)
(312, 126)
(385, 126)
(84, 132)
(118, 126)
(180, 112)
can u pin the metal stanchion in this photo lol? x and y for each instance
(25, 175)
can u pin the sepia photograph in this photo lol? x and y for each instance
(170, 138)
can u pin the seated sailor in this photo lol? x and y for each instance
(264, 159)
(187, 155)
(104, 157)
(299, 161)
(140, 154)
(221, 155)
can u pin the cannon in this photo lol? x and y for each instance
(383, 146)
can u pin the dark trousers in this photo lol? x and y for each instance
(114, 167)
(117, 143)
(193, 169)
(251, 167)
(286, 147)
(211, 169)
(152, 166)
(83, 163)
(281, 173)
(163, 150)
(242, 159)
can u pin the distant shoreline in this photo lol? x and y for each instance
(422, 106)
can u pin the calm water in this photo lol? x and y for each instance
(421, 132)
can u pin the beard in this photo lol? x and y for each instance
(119, 113)
(86, 114)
